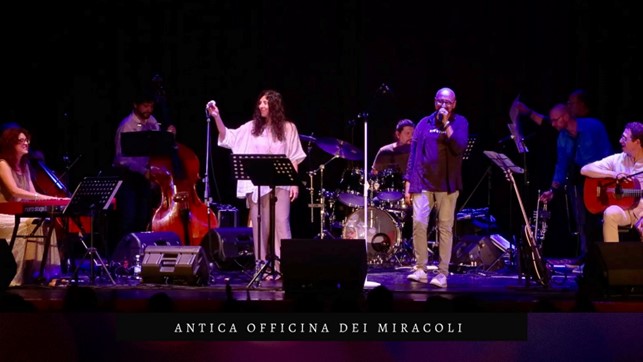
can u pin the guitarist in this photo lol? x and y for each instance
(619, 166)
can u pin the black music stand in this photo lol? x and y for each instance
(272, 171)
(92, 195)
(147, 143)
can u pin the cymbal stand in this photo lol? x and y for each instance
(323, 232)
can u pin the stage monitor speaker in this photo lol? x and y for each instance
(480, 251)
(323, 265)
(134, 244)
(184, 265)
(8, 266)
(230, 248)
(611, 265)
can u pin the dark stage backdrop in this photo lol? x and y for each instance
(69, 69)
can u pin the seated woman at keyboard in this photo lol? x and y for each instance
(16, 185)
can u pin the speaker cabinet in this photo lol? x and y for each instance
(8, 266)
(480, 251)
(611, 266)
(230, 248)
(184, 265)
(323, 265)
(134, 244)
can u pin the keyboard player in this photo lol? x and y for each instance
(16, 185)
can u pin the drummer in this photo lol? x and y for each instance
(395, 155)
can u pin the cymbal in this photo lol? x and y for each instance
(340, 148)
(305, 138)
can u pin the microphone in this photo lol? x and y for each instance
(360, 117)
(207, 111)
(442, 113)
(505, 139)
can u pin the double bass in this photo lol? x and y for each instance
(180, 210)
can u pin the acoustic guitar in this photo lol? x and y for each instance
(599, 193)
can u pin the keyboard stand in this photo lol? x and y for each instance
(46, 236)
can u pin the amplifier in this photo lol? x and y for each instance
(227, 215)
(229, 247)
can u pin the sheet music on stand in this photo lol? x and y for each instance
(503, 162)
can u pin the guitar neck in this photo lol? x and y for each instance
(630, 192)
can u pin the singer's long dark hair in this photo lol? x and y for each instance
(276, 113)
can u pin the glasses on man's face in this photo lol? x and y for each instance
(445, 102)
(23, 141)
(555, 120)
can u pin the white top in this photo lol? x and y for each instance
(241, 141)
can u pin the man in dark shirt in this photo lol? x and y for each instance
(395, 155)
(390, 163)
(434, 179)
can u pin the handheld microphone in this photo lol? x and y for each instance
(442, 114)
(207, 111)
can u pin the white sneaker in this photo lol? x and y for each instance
(439, 281)
(371, 284)
(419, 275)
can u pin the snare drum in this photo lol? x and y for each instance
(381, 231)
(351, 188)
(397, 208)
(391, 185)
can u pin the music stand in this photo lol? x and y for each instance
(503, 162)
(147, 143)
(265, 170)
(92, 195)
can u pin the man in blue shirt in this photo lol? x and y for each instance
(580, 141)
(434, 179)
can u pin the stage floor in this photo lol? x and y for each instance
(469, 289)
(552, 333)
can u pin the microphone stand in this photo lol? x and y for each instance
(366, 188)
(206, 177)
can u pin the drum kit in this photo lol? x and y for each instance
(342, 210)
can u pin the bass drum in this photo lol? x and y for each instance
(381, 232)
